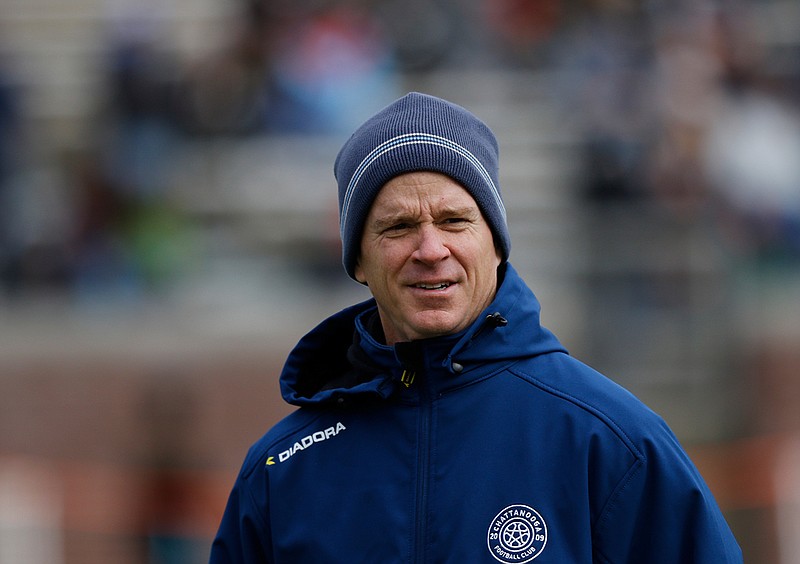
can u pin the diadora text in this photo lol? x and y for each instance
(309, 440)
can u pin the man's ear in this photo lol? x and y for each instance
(359, 273)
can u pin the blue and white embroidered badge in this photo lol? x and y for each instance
(517, 534)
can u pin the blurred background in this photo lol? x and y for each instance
(168, 230)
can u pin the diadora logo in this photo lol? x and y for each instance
(306, 442)
(517, 534)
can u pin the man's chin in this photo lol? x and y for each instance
(438, 324)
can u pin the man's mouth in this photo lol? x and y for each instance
(440, 286)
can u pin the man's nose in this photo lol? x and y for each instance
(431, 245)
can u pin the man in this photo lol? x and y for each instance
(440, 422)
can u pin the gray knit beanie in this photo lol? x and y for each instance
(415, 133)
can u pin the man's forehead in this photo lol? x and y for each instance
(427, 189)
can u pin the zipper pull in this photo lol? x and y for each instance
(407, 378)
(497, 320)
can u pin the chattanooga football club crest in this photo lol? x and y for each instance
(517, 534)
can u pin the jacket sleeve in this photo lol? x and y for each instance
(244, 534)
(662, 512)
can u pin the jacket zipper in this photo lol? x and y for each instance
(423, 473)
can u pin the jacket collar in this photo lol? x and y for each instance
(340, 360)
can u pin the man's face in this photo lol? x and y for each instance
(428, 257)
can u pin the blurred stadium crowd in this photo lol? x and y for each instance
(143, 140)
(688, 104)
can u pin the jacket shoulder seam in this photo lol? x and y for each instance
(586, 406)
(258, 508)
(639, 462)
(611, 503)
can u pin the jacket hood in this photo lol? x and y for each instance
(340, 360)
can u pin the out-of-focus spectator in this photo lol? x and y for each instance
(753, 161)
(688, 82)
(127, 239)
(308, 68)
(9, 126)
(121, 245)
(101, 264)
(38, 219)
(228, 92)
(331, 67)
(423, 34)
(602, 60)
(521, 28)
(140, 125)
(9, 156)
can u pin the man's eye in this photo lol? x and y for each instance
(398, 227)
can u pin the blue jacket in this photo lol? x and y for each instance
(489, 446)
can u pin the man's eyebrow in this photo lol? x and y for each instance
(466, 211)
(390, 219)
